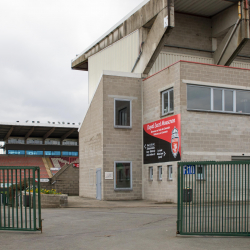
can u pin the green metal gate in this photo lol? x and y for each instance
(213, 198)
(20, 208)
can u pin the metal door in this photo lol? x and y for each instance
(98, 184)
(213, 198)
(20, 206)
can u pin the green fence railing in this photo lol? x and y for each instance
(20, 201)
(213, 198)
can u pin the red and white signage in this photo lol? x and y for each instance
(162, 140)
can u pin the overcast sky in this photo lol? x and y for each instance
(38, 40)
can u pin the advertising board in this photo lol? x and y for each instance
(162, 140)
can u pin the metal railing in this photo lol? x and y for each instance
(213, 198)
(20, 201)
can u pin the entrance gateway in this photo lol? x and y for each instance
(20, 201)
(213, 198)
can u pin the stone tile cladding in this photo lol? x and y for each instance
(91, 145)
(122, 144)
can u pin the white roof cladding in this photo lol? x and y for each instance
(119, 56)
(114, 27)
(205, 8)
(25, 124)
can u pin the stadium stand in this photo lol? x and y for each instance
(65, 180)
(70, 159)
(7, 161)
(60, 162)
(34, 144)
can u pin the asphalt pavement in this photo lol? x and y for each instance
(134, 227)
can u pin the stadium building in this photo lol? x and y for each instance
(52, 147)
(168, 83)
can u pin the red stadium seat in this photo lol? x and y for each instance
(15, 161)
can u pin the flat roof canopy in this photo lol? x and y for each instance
(37, 131)
(149, 8)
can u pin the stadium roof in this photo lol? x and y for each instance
(206, 8)
(37, 130)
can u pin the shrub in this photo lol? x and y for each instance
(45, 191)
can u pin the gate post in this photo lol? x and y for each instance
(178, 199)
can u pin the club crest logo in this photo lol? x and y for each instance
(175, 142)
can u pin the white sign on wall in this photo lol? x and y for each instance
(44, 180)
(108, 175)
(55, 169)
(166, 22)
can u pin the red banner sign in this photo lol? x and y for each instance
(162, 140)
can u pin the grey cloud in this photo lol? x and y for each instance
(38, 41)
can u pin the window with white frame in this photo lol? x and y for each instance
(160, 173)
(122, 113)
(123, 175)
(218, 99)
(170, 172)
(167, 101)
(151, 173)
(200, 172)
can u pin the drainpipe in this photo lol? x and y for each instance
(138, 58)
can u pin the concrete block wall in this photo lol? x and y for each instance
(51, 200)
(122, 144)
(192, 32)
(66, 181)
(165, 190)
(196, 32)
(205, 135)
(71, 180)
(213, 136)
(91, 145)
(152, 88)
